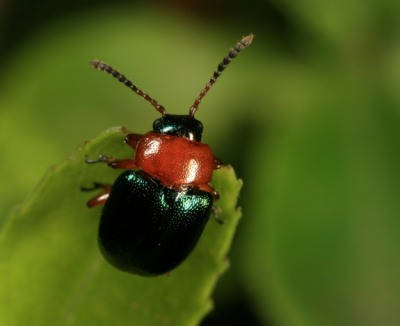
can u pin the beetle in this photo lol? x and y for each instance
(153, 217)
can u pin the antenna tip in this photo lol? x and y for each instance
(247, 40)
(94, 63)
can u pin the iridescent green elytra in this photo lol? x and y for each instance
(148, 229)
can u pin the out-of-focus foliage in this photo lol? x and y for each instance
(309, 118)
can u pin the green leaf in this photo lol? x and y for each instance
(52, 273)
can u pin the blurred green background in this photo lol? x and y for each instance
(308, 115)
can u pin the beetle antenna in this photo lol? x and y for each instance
(108, 69)
(221, 67)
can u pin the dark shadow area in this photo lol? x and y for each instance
(238, 314)
(19, 19)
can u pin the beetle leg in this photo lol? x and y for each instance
(102, 159)
(101, 198)
(211, 190)
(126, 164)
(215, 210)
(217, 163)
(96, 185)
(115, 163)
(133, 139)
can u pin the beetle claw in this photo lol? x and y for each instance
(96, 185)
(101, 159)
(215, 210)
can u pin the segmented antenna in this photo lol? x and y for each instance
(221, 67)
(106, 68)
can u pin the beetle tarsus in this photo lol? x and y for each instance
(96, 185)
(103, 159)
(215, 210)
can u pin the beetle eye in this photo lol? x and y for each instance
(200, 126)
(156, 124)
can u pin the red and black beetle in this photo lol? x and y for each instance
(153, 218)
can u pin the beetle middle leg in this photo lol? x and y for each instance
(214, 193)
(211, 190)
(101, 198)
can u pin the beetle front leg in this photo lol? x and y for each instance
(115, 163)
(127, 164)
(217, 163)
(133, 139)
